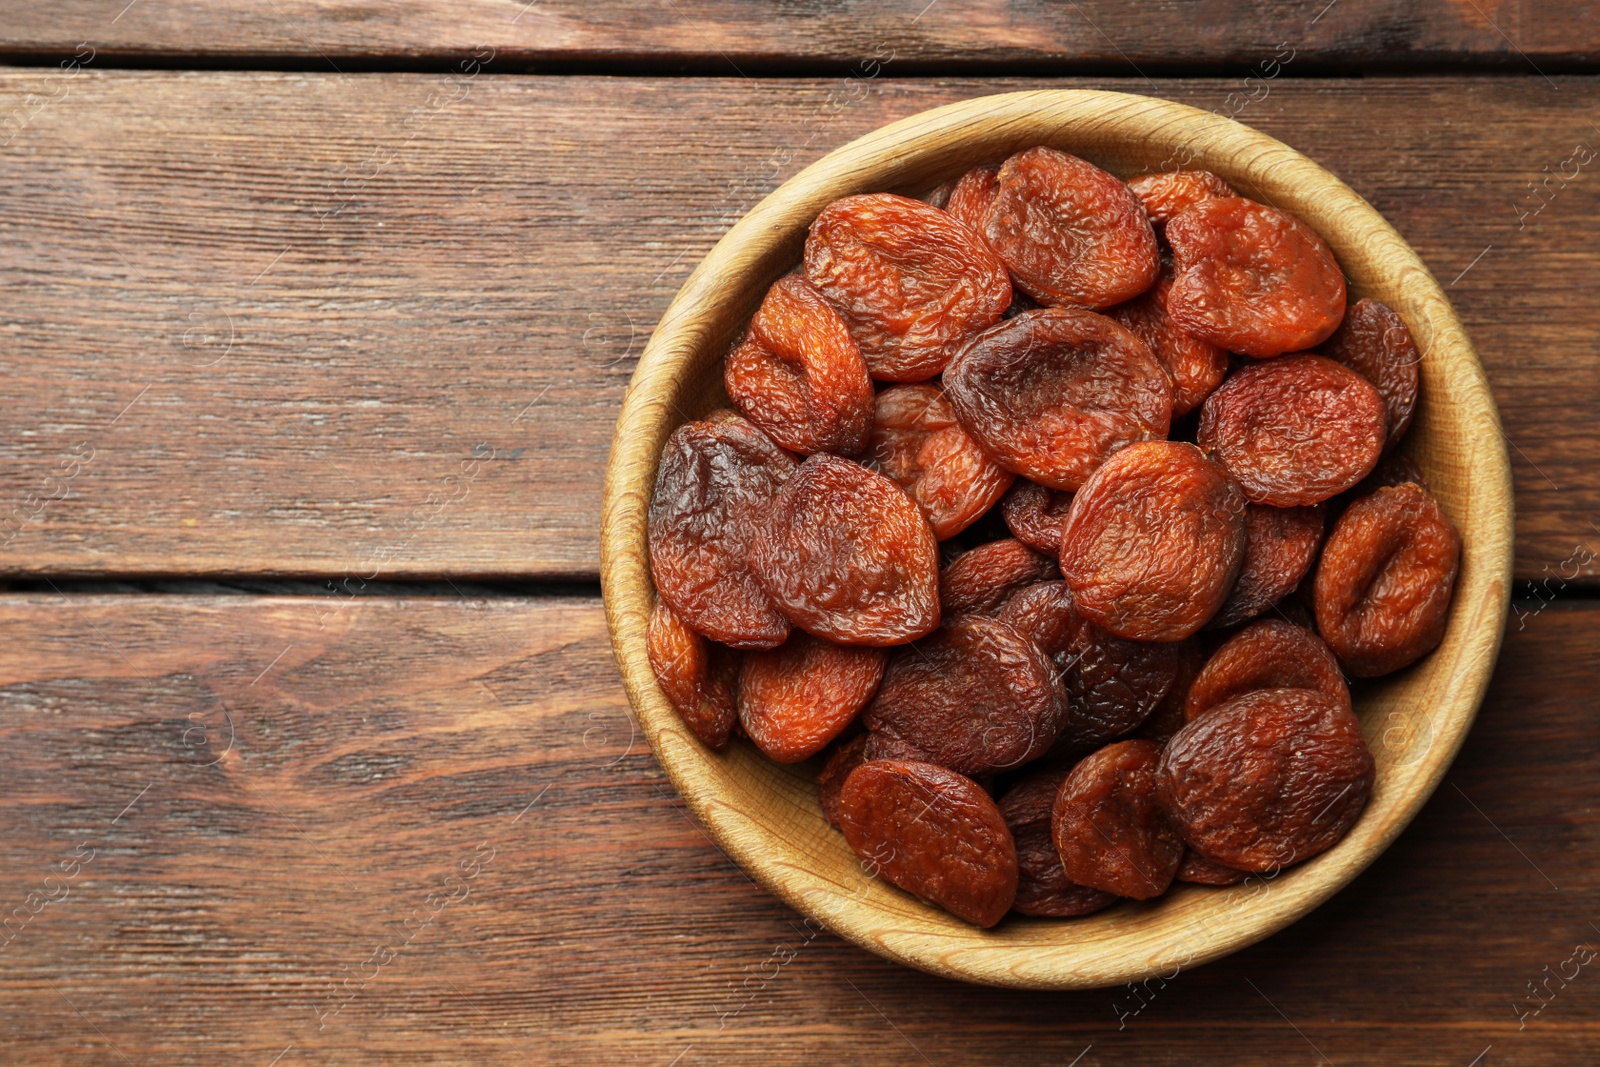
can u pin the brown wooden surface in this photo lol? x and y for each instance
(347, 326)
(236, 874)
(717, 36)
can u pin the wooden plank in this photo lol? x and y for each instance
(267, 323)
(727, 36)
(251, 816)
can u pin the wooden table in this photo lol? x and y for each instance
(311, 745)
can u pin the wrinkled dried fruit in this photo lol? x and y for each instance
(1195, 367)
(799, 376)
(1252, 279)
(796, 698)
(716, 482)
(918, 444)
(1112, 685)
(1070, 232)
(1169, 717)
(841, 761)
(1165, 194)
(697, 677)
(977, 696)
(1279, 547)
(1270, 654)
(1043, 887)
(1108, 827)
(1267, 779)
(1294, 431)
(1034, 514)
(1198, 870)
(1154, 541)
(1393, 469)
(911, 282)
(1383, 586)
(972, 194)
(846, 555)
(1373, 341)
(1051, 393)
(933, 833)
(980, 581)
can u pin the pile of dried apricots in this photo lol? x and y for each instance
(1014, 474)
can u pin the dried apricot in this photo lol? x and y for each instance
(1294, 431)
(981, 580)
(799, 376)
(918, 444)
(1195, 367)
(1373, 341)
(796, 698)
(1112, 684)
(1252, 279)
(1198, 870)
(1070, 232)
(977, 696)
(1043, 887)
(1169, 717)
(1108, 826)
(933, 833)
(1383, 586)
(1034, 514)
(972, 194)
(1154, 541)
(1269, 778)
(911, 282)
(1165, 194)
(1279, 547)
(716, 480)
(1051, 393)
(841, 761)
(1393, 469)
(845, 554)
(696, 676)
(1266, 655)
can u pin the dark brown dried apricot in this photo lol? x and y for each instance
(716, 481)
(1383, 586)
(911, 282)
(977, 696)
(1198, 870)
(1034, 514)
(1270, 778)
(844, 758)
(1252, 279)
(697, 677)
(1169, 717)
(845, 554)
(1280, 545)
(1112, 684)
(1373, 341)
(796, 698)
(1043, 887)
(1154, 541)
(1393, 469)
(982, 579)
(1165, 194)
(1269, 654)
(918, 444)
(798, 374)
(1070, 232)
(1051, 393)
(1294, 431)
(972, 194)
(1108, 827)
(1195, 367)
(933, 833)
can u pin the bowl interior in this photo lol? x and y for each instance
(766, 816)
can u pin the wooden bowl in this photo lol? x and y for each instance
(766, 817)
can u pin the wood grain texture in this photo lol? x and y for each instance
(341, 292)
(723, 36)
(749, 804)
(223, 904)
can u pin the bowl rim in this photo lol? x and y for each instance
(905, 155)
